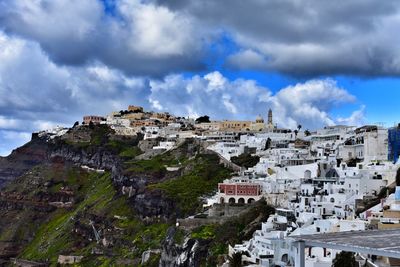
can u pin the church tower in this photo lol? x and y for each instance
(270, 117)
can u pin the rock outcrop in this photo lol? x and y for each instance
(33, 198)
(23, 159)
(188, 254)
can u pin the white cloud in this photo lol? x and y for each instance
(140, 38)
(248, 59)
(35, 93)
(45, 94)
(215, 81)
(309, 103)
(155, 38)
(26, 73)
(54, 20)
(357, 118)
(11, 139)
(211, 94)
(155, 30)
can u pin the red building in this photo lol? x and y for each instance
(239, 192)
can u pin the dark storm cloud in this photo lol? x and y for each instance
(138, 39)
(309, 37)
(153, 38)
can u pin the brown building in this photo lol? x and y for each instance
(94, 119)
(135, 108)
(163, 116)
(143, 123)
(236, 125)
(210, 126)
(133, 116)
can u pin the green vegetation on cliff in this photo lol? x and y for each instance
(69, 232)
(201, 179)
(42, 232)
(234, 231)
(90, 138)
(157, 164)
(246, 160)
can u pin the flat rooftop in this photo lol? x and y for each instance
(374, 242)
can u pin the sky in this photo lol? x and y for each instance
(314, 63)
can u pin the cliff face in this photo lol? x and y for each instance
(100, 158)
(49, 203)
(188, 254)
(147, 203)
(22, 159)
(99, 149)
(207, 245)
(121, 208)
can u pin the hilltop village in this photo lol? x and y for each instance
(335, 179)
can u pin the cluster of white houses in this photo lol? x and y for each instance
(321, 181)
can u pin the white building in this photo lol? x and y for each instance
(370, 143)
(227, 149)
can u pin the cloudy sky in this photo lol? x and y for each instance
(313, 62)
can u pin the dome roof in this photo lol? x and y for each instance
(259, 119)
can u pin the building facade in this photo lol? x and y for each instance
(93, 119)
(238, 192)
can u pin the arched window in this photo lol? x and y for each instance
(285, 258)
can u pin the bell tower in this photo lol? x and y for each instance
(270, 117)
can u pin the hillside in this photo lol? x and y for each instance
(22, 159)
(52, 206)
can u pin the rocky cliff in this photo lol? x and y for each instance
(111, 211)
(189, 253)
(207, 245)
(22, 159)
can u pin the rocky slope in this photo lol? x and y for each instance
(51, 206)
(207, 245)
(22, 160)
(96, 195)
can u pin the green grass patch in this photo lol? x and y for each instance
(154, 165)
(179, 236)
(204, 232)
(150, 236)
(202, 180)
(130, 152)
(54, 237)
(233, 231)
(98, 197)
